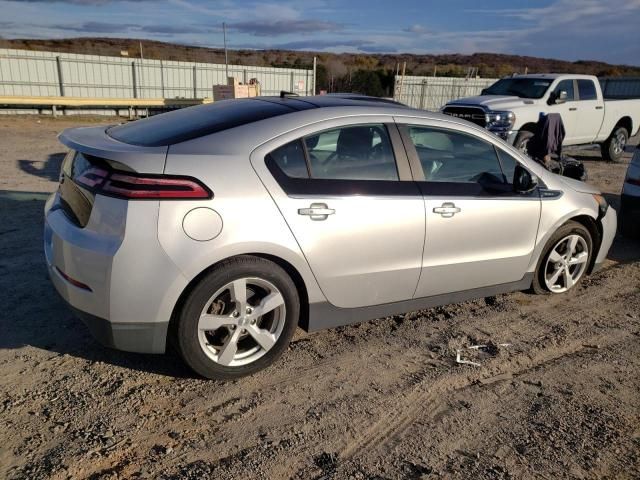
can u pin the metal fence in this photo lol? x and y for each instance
(431, 93)
(32, 73)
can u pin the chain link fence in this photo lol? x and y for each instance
(431, 93)
(33, 73)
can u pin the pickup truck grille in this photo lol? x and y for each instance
(472, 114)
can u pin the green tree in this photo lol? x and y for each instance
(367, 82)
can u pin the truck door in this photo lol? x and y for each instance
(567, 110)
(590, 111)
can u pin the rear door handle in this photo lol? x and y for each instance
(317, 211)
(447, 210)
(572, 109)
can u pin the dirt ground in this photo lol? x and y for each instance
(383, 399)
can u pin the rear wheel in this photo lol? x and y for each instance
(239, 319)
(613, 148)
(564, 260)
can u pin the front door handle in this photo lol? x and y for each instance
(317, 211)
(447, 210)
(572, 109)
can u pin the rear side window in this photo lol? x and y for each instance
(193, 122)
(587, 90)
(449, 156)
(356, 152)
(360, 152)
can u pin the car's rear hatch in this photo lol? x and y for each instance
(93, 150)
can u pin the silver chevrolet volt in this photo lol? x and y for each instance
(219, 229)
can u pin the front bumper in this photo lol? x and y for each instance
(609, 226)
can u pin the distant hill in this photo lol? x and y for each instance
(338, 71)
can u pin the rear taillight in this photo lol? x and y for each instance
(140, 186)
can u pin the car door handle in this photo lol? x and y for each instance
(572, 109)
(317, 211)
(447, 210)
(599, 107)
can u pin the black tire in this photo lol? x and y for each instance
(185, 331)
(522, 139)
(539, 286)
(610, 148)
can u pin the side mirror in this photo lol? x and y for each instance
(523, 180)
(483, 92)
(561, 97)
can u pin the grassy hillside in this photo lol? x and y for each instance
(368, 73)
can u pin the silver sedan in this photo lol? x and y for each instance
(219, 229)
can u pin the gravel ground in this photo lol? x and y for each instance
(383, 399)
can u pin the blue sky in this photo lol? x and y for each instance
(606, 30)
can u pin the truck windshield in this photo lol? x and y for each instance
(520, 87)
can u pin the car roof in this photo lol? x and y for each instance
(202, 120)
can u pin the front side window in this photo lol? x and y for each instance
(359, 152)
(455, 157)
(587, 90)
(567, 86)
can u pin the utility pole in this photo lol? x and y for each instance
(226, 58)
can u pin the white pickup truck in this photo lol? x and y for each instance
(512, 106)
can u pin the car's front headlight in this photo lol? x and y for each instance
(500, 119)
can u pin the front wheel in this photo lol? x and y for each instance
(613, 148)
(564, 260)
(522, 141)
(238, 319)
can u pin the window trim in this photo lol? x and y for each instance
(404, 186)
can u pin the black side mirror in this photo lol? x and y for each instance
(483, 92)
(523, 180)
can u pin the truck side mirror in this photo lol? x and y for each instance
(523, 180)
(561, 97)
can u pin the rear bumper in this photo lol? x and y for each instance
(130, 337)
(132, 286)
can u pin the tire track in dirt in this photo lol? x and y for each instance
(423, 402)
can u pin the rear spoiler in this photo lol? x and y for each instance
(95, 141)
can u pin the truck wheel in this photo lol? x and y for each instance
(522, 141)
(613, 147)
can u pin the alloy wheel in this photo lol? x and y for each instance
(241, 322)
(566, 263)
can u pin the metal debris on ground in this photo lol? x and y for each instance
(491, 348)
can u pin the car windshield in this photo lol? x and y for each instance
(520, 87)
